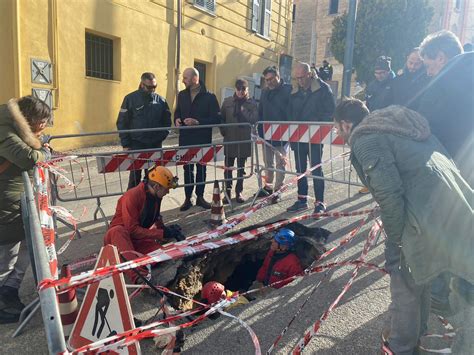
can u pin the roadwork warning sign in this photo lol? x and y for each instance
(105, 310)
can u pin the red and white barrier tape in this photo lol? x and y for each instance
(375, 230)
(180, 251)
(46, 219)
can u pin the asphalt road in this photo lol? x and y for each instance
(354, 327)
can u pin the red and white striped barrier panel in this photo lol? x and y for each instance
(169, 157)
(46, 218)
(301, 133)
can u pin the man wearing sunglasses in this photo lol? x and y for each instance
(143, 109)
(137, 225)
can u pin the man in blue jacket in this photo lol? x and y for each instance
(196, 106)
(143, 108)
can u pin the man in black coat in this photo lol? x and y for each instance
(448, 105)
(273, 107)
(195, 106)
(407, 87)
(143, 108)
(379, 92)
(311, 101)
(447, 102)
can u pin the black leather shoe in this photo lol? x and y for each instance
(239, 198)
(200, 201)
(187, 204)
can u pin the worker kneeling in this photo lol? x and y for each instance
(137, 224)
(280, 262)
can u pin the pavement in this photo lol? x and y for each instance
(353, 327)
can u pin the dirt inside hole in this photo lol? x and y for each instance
(235, 266)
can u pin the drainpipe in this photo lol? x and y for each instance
(55, 58)
(178, 47)
(17, 48)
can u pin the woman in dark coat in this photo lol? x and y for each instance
(239, 108)
(21, 124)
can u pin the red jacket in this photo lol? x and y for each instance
(128, 213)
(282, 267)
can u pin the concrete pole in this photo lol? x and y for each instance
(349, 49)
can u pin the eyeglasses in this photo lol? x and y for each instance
(241, 89)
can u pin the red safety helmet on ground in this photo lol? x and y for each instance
(212, 291)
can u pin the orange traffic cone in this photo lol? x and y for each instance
(68, 308)
(217, 209)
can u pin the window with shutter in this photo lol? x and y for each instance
(261, 17)
(267, 18)
(255, 15)
(207, 5)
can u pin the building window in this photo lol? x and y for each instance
(327, 51)
(206, 5)
(99, 57)
(293, 15)
(457, 5)
(201, 68)
(262, 17)
(333, 7)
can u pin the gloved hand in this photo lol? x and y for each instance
(173, 231)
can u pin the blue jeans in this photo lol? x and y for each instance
(303, 152)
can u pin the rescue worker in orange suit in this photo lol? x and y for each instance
(281, 262)
(137, 224)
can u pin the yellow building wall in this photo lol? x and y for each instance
(144, 34)
(7, 54)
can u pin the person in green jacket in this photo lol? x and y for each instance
(426, 208)
(21, 123)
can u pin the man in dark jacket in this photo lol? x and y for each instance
(21, 124)
(407, 87)
(273, 107)
(311, 101)
(140, 109)
(195, 106)
(325, 71)
(448, 106)
(426, 208)
(447, 102)
(379, 92)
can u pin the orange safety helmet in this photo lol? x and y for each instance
(163, 176)
(212, 291)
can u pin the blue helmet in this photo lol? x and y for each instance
(285, 237)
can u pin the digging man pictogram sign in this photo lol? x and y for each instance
(105, 310)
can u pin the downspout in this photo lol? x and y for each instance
(178, 47)
(17, 48)
(55, 59)
(289, 26)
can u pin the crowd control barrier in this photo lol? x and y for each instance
(47, 297)
(295, 137)
(99, 174)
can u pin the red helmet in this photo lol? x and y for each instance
(212, 291)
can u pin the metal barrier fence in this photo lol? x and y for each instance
(303, 141)
(113, 166)
(47, 297)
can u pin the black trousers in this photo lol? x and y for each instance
(229, 162)
(189, 179)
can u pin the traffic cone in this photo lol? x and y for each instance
(68, 308)
(217, 209)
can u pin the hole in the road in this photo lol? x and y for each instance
(236, 266)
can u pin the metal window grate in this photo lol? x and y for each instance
(99, 57)
(208, 5)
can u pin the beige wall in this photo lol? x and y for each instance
(144, 34)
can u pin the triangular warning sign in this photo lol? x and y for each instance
(105, 310)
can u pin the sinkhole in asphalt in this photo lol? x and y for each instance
(236, 266)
